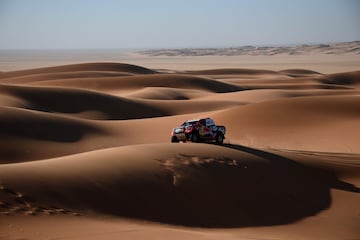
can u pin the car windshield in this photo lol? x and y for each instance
(187, 123)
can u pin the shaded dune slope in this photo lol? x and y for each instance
(88, 104)
(296, 83)
(97, 105)
(233, 191)
(262, 95)
(27, 135)
(31, 124)
(300, 72)
(350, 78)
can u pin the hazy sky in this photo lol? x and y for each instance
(47, 24)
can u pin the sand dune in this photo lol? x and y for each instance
(88, 104)
(166, 93)
(111, 67)
(350, 78)
(232, 71)
(62, 75)
(139, 82)
(166, 177)
(321, 123)
(90, 144)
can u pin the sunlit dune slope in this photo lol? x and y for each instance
(326, 123)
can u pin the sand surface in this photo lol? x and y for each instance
(85, 152)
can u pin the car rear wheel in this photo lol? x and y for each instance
(219, 138)
(195, 137)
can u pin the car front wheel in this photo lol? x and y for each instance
(174, 139)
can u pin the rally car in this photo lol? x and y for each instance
(197, 130)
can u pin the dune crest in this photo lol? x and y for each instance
(106, 67)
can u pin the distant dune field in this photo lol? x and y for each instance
(85, 153)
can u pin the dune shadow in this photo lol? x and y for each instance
(222, 192)
(325, 175)
(46, 129)
(78, 101)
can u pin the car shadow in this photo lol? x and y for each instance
(278, 159)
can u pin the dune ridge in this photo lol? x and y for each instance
(112, 67)
(91, 141)
(138, 82)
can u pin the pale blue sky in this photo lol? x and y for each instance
(58, 24)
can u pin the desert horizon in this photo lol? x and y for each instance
(86, 152)
(324, 58)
